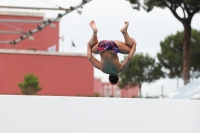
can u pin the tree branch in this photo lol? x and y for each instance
(182, 10)
(174, 11)
(166, 3)
(186, 8)
(195, 11)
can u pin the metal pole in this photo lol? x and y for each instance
(48, 22)
(177, 83)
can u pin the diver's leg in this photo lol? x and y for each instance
(123, 48)
(94, 40)
(127, 38)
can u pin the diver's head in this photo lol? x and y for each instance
(113, 79)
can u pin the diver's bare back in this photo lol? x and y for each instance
(109, 62)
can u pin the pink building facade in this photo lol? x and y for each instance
(58, 73)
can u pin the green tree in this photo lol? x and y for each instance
(171, 54)
(189, 9)
(141, 69)
(30, 85)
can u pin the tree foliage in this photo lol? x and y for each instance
(142, 68)
(171, 54)
(188, 6)
(189, 9)
(30, 85)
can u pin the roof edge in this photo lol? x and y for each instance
(32, 52)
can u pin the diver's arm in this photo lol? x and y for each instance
(129, 57)
(93, 60)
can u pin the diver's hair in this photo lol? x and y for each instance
(113, 79)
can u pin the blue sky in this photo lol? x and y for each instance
(148, 29)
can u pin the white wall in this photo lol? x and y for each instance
(46, 114)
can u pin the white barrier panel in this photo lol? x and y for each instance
(46, 114)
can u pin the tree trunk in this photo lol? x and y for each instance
(186, 52)
(177, 83)
(140, 90)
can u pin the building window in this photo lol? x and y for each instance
(32, 49)
(107, 89)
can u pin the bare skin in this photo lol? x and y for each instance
(109, 62)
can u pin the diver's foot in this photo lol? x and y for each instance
(124, 29)
(93, 26)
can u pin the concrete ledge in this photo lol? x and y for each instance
(50, 114)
